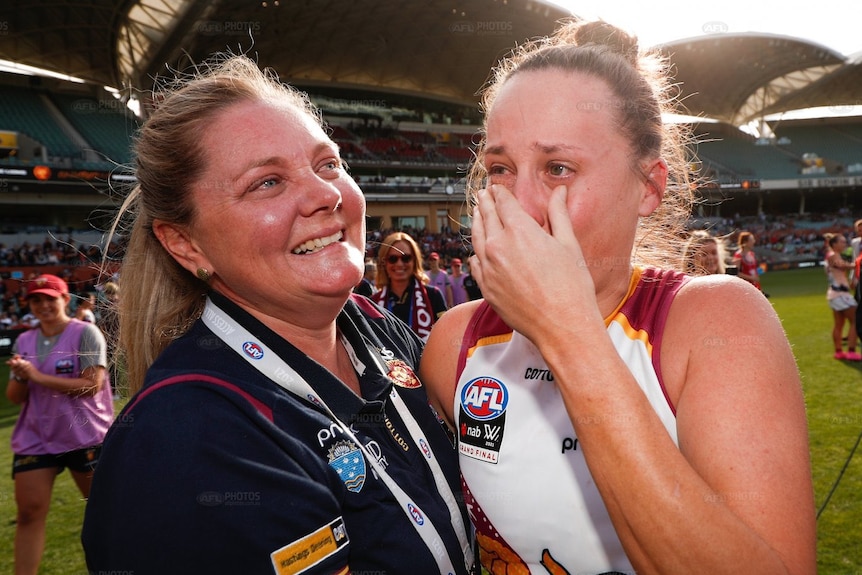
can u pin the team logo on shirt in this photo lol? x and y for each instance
(482, 418)
(401, 374)
(64, 367)
(347, 460)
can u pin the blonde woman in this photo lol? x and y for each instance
(403, 286)
(278, 425)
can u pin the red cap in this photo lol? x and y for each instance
(456, 261)
(49, 285)
(434, 256)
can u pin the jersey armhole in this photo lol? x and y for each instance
(470, 335)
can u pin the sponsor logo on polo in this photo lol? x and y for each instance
(347, 460)
(306, 552)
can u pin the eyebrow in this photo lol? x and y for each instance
(544, 148)
(279, 160)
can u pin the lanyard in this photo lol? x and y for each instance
(272, 366)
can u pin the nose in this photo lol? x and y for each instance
(532, 194)
(319, 194)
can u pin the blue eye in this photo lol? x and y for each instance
(331, 163)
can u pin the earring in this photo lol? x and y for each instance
(203, 275)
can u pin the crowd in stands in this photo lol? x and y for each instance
(15, 313)
(783, 239)
(359, 142)
(75, 262)
(780, 239)
(49, 252)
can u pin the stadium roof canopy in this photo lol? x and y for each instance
(440, 49)
(738, 78)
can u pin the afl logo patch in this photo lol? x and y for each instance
(313, 399)
(252, 350)
(482, 418)
(426, 449)
(484, 398)
(416, 514)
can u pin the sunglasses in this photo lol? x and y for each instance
(405, 258)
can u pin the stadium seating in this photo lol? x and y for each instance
(734, 155)
(26, 111)
(84, 132)
(104, 124)
(836, 143)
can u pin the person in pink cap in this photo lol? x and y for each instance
(57, 375)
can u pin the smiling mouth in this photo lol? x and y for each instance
(317, 244)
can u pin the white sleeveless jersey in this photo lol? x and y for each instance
(529, 491)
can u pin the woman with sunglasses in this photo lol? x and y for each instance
(403, 284)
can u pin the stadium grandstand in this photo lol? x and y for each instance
(397, 82)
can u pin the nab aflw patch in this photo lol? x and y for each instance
(346, 459)
(482, 418)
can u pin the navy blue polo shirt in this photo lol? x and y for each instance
(213, 468)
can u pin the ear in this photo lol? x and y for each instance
(177, 242)
(654, 187)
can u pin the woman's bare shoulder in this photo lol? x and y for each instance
(439, 365)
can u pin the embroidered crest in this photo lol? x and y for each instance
(347, 460)
(401, 374)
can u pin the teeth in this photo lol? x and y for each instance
(317, 243)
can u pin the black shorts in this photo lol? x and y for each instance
(79, 460)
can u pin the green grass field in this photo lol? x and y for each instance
(833, 392)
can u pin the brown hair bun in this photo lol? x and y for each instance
(603, 34)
